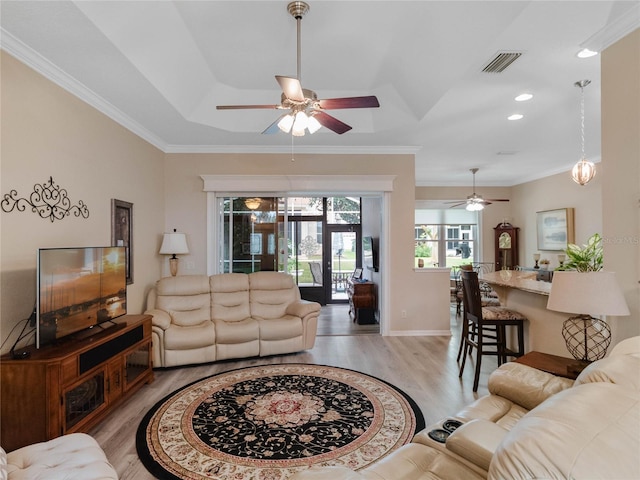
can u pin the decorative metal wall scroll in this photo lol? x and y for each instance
(47, 200)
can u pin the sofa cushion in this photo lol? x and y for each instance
(76, 456)
(271, 293)
(246, 330)
(230, 297)
(185, 298)
(186, 338)
(588, 431)
(280, 328)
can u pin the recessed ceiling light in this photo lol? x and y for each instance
(586, 53)
(515, 116)
(523, 97)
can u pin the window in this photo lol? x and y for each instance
(443, 240)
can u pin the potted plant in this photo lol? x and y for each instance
(585, 258)
(544, 263)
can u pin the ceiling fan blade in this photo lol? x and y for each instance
(273, 128)
(457, 204)
(332, 123)
(291, 88)
(497, 199)
(237, 107)
(349, 102)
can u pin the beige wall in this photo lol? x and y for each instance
(48, 132)
(620, 174)
(551, 193)
(408, 296)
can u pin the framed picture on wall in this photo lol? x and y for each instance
(122, 231)
(555, 229)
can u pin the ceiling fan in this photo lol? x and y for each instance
(305, 110)
(474, 201)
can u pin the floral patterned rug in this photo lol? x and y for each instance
(270, 421)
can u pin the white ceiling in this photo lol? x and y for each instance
(161, 67)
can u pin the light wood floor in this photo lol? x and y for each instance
(423, 367)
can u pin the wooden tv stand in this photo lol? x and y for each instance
(72, 385)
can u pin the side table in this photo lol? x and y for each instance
(559, 366)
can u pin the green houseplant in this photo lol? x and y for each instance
(585, 258)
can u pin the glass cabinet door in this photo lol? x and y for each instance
(83, 399)
(136, 363)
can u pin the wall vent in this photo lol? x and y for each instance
(501, 61)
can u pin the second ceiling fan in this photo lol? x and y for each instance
(474, 201)
(305, 111)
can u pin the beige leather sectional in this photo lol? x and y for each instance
(532, 425)
(199, 318)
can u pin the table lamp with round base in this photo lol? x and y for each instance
(598, 293)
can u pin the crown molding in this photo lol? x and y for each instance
(44, 67)
(301, 149)
(613, 32)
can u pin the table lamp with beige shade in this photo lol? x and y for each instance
(173, 244)
(597, 293)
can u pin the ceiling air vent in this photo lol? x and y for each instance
(501, 61)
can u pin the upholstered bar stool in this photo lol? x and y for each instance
(487, 327)
(488, 297)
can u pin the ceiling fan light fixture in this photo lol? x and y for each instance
(285, 123)
(313, 125)
(474, 206)
(300, 124)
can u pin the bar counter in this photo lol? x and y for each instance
(522, 280)
(520, 291)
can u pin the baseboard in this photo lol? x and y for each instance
(419, 333)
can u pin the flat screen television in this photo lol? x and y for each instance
(370, 253)
(78, 289)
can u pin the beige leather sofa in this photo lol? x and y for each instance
(199, 319)
(532, 425)
(76, 456)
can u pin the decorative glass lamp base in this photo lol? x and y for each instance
(587, 338)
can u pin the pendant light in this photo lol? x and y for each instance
(584, 170)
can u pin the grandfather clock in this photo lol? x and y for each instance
(506, 243)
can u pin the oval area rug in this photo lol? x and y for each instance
(271, 421)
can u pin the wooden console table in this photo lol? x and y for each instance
(71, 386)
(559, 366)
(362, 301)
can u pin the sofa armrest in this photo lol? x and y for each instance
(303, 308)
(524, 385)
(476, 441)
(160, 318)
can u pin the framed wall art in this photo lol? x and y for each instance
(555, 229)
(122, 231)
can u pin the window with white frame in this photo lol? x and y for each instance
(445, 238)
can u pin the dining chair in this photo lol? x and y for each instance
(486, 327)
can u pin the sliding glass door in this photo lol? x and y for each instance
(289, 234)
